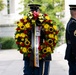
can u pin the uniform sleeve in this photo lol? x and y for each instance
(67, 33)
(72, 30)
(67, 36)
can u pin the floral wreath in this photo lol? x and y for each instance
(25, 24)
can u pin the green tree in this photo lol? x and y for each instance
(2, 5)
(54, 8)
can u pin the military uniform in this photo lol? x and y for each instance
(71, 40)
(29, 68)
(70, 54)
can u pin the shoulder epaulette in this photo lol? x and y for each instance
(74, 21)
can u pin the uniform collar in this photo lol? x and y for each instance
(73, 18)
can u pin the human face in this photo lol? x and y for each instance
(73, 13)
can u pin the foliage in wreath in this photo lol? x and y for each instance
(23, 40)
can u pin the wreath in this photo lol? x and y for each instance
(22, 34)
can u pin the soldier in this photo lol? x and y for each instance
(29, 68)
(71, 41)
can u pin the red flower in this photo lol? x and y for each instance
(44, 21)
(45, 15)
(29, 55)
(17, 42)
(47, 32)
(57, 32)
(39, 47)
(21, 52)
(49, 20)
(53, 39)
(22, 44)
(24, 23)
(43, 55)
(27, 46)
(22, 20)
(46, 43)
(25, 31)
(35, 14)
(17, 28)
(54, 44)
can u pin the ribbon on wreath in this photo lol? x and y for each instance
(36, 45)
(35, 42)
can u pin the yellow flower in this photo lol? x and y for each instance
(43, 24)
(51, 22)
(41, 17)
(17, 35)
(56, 38)
(25, 17)
(54, 33)
(46, 26)
(22, 27)
(51, 36)
(50, 41)
(55, 41)
(50, 29)
(33, 21)
(22, 39)
(27, 42)
(49, 49)
(22, 35)
(30, 15)
(24, 49)
(44, 50)
(20, 24)
(47, 17)
(27, 25)
(20, 43)
(41, 20)
(18, 30)
(29, 50)
(16, 40)
(55, 27)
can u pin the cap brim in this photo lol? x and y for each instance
(34, 5)
(72, 5)
(72, 8)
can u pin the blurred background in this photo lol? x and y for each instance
(12, 10)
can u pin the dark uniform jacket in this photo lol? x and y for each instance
(41, 41)
(31, 58)
(70, 54)
(42, 37)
